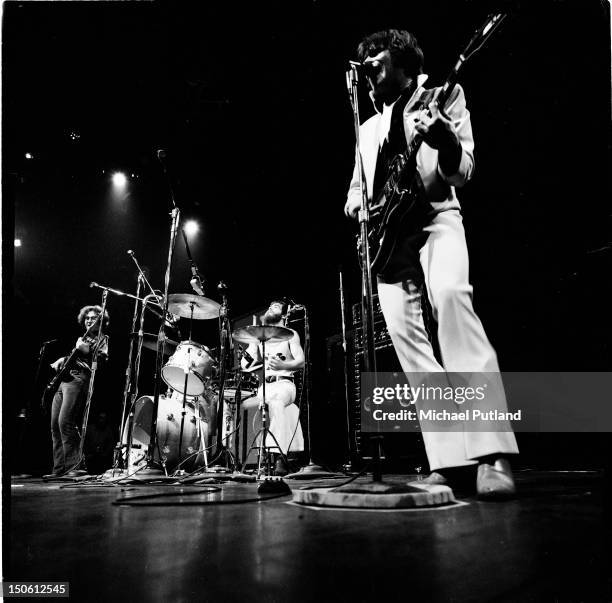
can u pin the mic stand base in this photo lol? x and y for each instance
(376, 495)
(150, 471)
(218, 469)
(311, 471)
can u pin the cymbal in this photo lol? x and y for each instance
(203, 307)
(257, 333)
(149, 341)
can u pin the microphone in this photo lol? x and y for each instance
(93, 284)
(367, 67)
(246, 355)
(130, 252)
(197, 282)
(196, 285)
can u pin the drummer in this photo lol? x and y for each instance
(282, 361)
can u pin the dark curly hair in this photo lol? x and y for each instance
(97, 309)
(402, 45)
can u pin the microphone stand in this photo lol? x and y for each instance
(312, 470)
(224, 341)
(152, 467)
(128, 382)
(367, 309)
(134, 395)
(348, 464)
(25, 412)
(90, 390)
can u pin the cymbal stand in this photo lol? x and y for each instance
(187, 371)
(263, 451)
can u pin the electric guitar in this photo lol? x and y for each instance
(64, 373)
(402, 195)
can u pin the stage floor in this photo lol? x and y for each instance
(547, 545)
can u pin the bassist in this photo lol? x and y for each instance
(69, 399)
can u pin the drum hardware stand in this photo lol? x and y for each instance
(238, 474)
(90, 389)
(187, 371)
(202, 440)
(222, 453)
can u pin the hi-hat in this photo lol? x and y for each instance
(257, 333)
(203, 307)
(149, 341)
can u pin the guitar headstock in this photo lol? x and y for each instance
(483, 33)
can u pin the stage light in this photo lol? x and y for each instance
(17, 242)
(191, 227)
(29, 156)
(119, 179)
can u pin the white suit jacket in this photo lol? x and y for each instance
(439, 187)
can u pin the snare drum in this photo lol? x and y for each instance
(193, 360)
(248, 387)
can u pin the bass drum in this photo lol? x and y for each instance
(195, 432)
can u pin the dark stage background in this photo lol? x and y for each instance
(249, 101)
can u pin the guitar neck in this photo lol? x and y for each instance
(440, 99)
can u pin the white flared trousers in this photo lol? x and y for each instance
(464, 346)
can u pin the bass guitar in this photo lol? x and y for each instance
(402, 196)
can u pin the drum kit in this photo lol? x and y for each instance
(176, 428)
(202, 401)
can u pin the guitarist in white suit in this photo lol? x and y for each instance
(432, 256)
(68, 402)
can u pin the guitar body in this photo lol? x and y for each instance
(63, 375)
(404, 211)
